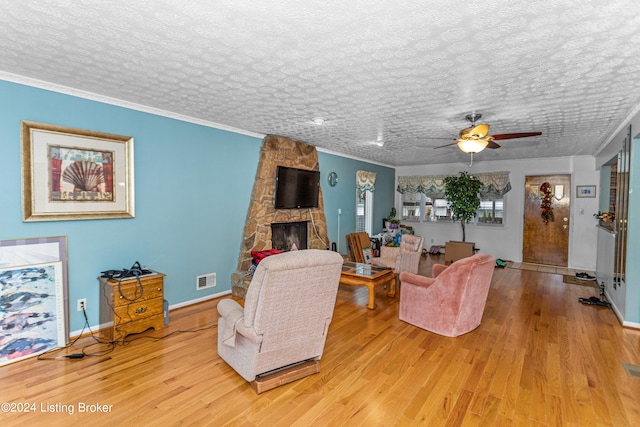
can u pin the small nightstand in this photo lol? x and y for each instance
(131, 307)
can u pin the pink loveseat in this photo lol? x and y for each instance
(286, 314)
(450, 303)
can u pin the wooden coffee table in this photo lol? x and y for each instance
(368, 275)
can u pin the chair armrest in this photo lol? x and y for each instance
(409, 262)
(436, 269)
(227, 307)
(233, 314)
(416, 280)
(389, 251)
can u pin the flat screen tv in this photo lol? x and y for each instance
(296, 188)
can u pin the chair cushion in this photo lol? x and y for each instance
(410, 243)
(389, 262)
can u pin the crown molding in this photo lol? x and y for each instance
(65, 90)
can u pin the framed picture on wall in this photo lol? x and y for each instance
(73, 174)
(33, 297)
(586, 191)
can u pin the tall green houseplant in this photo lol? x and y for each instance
(462, 193)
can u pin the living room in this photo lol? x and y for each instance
(187, 220)
(191, 201)
(193, 181)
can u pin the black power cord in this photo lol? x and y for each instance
(111, 345)
(42, 356)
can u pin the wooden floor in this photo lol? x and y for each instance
(539, 358)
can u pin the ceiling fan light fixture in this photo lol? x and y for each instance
(472, 146)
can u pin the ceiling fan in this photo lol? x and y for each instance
(476, 138)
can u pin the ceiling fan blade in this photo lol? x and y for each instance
(480, 131)
(446, 145)
(492, 144)
(500, 136)
(465, 131)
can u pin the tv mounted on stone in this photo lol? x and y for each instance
(296, 188)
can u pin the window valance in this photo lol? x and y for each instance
(365, 181)
(431, 185)
(494, 185)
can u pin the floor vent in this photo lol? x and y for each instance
(206, 281)
(632, 370)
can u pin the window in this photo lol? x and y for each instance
(365, 186)
(423, 198)
(364, 212)
(412, 205)
(490, 212)
(440, 209)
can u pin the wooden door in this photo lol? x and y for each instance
(547, 243)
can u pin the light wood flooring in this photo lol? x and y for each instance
(539, 358)
(547, 268)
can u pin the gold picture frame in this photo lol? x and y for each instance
(74, 174)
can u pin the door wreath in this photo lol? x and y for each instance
(545, 203)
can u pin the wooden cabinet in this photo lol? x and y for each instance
(131, 306)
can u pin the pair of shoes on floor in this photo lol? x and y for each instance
(500, 263)
(594, 301)
(585, 276)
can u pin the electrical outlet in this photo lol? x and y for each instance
(82, 304)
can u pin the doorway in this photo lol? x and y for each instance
(547, 243)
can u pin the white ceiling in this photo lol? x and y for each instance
(391, 70)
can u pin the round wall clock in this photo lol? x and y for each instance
(333, 179)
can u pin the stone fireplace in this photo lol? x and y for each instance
(258, 233)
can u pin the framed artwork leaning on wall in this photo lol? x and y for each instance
(34, 297)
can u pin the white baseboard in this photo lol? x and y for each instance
(633, 325)
(96, 328)
(197, 300)
(624, 323)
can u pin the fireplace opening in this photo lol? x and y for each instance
(285, 234)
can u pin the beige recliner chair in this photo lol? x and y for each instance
(404, 258)
(286, 314)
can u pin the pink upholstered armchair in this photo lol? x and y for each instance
(286, 314)
(450, 303)
(406, 257)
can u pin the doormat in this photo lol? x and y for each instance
(632, 370)
(575, 281)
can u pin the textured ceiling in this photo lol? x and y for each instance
(390, 71)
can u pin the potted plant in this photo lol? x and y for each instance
(605, 216)
(390, 218)
(462, 193)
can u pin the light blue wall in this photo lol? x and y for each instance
(192, 189)
(190, 198)
(631, 309)
(343, 195)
